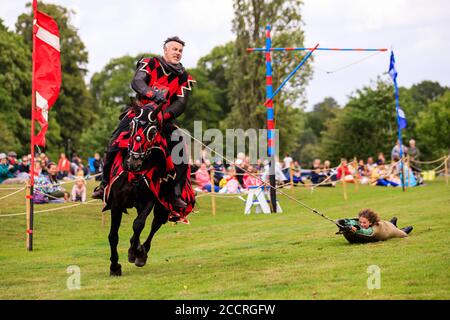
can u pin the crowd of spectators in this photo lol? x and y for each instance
(237, 177)
(49, 175)
(232, 178)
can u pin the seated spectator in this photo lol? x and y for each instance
(297, 173)
(259, 165)
(344, 172)
(63, 167)
(196, 165)
(240, 167)
(329, 174)
(363, 172)
(79, 190)
(317, 175)
(24, 166)
(44, 160)
(44, 166)
(370, 165)
(381, 159)
(202, 177)
(232, 185)
(395, 153)
(279, 175)
(12, 160)
(98, 166)
(50, 185)
(6, 169)
(382, 177)
(219, 170)
(37, 167)
(250, 177)
(82, 170)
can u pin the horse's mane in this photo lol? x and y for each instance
(135, 105)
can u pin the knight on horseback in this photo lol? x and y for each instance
(164, 81)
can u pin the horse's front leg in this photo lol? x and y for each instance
(160, 217)
(136, 253)
(116, 218)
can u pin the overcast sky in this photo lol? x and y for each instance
(417, 30)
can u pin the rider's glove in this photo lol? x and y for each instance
(156, 95)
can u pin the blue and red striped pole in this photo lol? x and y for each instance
(270, 122)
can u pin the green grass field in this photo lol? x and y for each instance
(290, 255)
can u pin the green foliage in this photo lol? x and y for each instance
(247, 72)
(111, 91)
(433, 128)
(215, 66)
(321, 113)
(203, 104)
(15, 92)
(366, 126)
(74, 110)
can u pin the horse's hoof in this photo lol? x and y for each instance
(140, 262)
(131, 255)
(116, 271)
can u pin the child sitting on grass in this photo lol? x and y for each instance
(79, 190)
(232, 183)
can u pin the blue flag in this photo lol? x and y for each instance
(401, 119)
(392, 71)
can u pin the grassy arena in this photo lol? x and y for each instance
(292, 255)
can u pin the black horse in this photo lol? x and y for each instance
(135, 172)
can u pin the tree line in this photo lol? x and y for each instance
(230, 93)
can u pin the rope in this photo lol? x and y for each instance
(48, 210)
(8, 195)
(349, 65)
(265, 183)
(222, 195)
(429, 162)
(319, 184)
(10, 188)
(439, 166)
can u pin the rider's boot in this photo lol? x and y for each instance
(99, 191)
(107, 163)
(179, 203)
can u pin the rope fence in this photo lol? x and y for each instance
(13, 193)
(50, 210)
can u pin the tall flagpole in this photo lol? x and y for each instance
(399, 133)
(399, 136)
(30, 192)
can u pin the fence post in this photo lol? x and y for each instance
(355, 176)
(344, 185)
(28, 209)
(446, 169)
(291, 176)
(213, 198)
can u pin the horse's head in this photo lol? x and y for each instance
(143, 129)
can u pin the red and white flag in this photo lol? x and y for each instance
(47, 69)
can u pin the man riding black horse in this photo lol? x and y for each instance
(162, 80)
